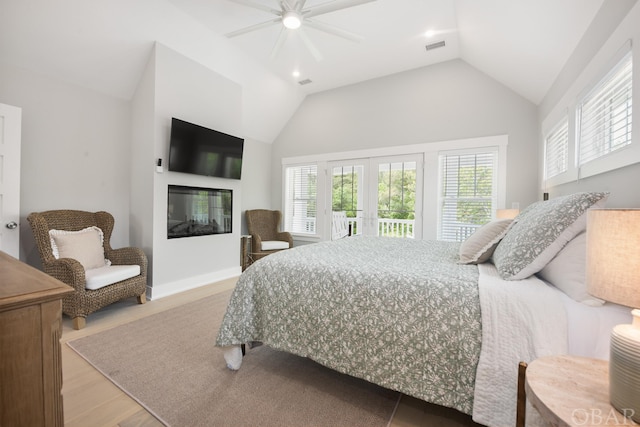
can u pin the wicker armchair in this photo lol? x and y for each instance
(83, 301)
(265, 238)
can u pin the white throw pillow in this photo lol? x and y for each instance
(568, 269)
(84, 245)
(479, 247)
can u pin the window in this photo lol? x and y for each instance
(388, 185)
(556, 150)
(604, 115)
(301, 199)
(599, 110)
(468, 192)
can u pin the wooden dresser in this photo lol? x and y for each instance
(30, 358)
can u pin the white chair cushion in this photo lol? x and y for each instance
(272, 245)
(103, 276)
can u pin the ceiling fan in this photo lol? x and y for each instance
(293, 15)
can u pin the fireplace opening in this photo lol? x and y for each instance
(197, 211)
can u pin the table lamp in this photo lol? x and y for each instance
(507, 213)
(613, 274)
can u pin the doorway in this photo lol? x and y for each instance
(382, 196)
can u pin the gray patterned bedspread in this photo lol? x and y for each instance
(400, 313)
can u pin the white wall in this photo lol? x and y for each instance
(617, 21)
(143, 154)
(83, 149)
(442, 102)
(75, 151)
(184, 89)
(256, 174)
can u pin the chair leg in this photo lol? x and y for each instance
(79, 323)
(521, 406)
(142, 298)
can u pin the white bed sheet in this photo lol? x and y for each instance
(589, 328)
(525, 320)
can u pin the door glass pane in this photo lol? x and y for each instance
(396, 199)
(347, 194)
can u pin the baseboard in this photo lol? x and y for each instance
(166, 289)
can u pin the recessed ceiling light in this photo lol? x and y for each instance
(429, 34)
(291, 20)
(296, 73)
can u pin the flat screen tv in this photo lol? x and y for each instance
(198, 150)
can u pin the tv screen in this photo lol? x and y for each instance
(198, 150)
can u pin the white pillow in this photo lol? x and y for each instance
(84, 245)
(479, 247)
(567, 271)
(541, 231)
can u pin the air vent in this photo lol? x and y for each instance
(304, 82)
(435, 45)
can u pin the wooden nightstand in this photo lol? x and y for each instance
(572, 391)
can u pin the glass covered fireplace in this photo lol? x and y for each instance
(196, 211)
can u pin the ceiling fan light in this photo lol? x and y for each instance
(291, 20)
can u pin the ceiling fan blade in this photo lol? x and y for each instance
(253, 28)
(333, 30)
(284, 33)
(309, 44)
(332, 6)
(257, 6)
(300, 5)
(287, 5)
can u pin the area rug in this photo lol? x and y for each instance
(169, 364)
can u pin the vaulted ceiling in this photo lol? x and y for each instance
(104, 44)
(523, 44)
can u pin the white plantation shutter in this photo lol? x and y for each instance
(468, 193)
(301, 199)
(604, 115)
(556, 156)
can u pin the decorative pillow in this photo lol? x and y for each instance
(541, 232)
(84, 245)
(479, 247)
(568, 269)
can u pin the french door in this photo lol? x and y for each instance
(382, 196)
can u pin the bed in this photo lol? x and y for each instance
(441, 321)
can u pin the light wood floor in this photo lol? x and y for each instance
(92, 400)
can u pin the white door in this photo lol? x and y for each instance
(382, 196)
(10, 134)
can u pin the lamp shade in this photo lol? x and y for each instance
(613, 274)
(507, 213)
(613, 255)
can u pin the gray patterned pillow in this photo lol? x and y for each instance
(541, 231)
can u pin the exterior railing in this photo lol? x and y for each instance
(398, 228)
(386, 227)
